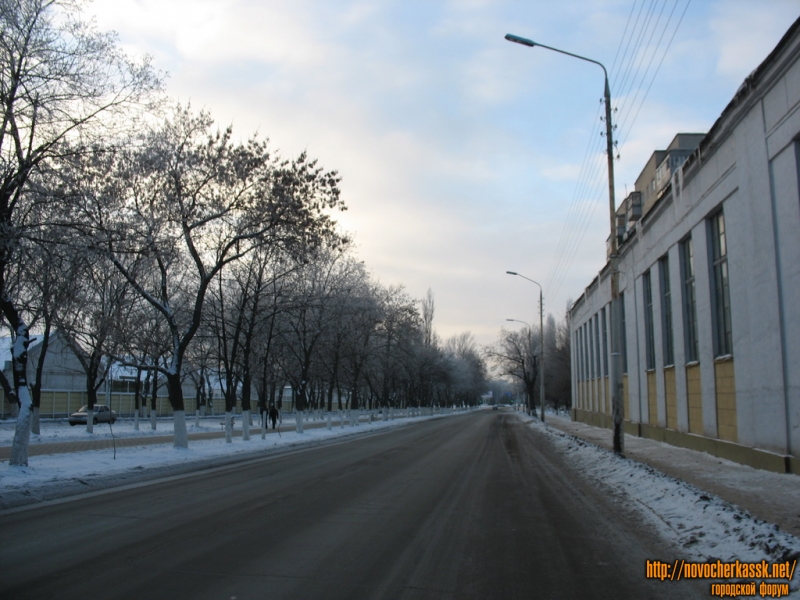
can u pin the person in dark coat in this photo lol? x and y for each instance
(273, 415)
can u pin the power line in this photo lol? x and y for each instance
(590, 183)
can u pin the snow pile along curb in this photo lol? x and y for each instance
(706, 527)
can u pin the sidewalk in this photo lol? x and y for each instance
(772, 497)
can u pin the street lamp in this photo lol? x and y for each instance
(541, 331)
(615, 375)
(529, 403)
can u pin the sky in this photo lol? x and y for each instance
(462, 155)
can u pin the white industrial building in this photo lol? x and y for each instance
(709, 263)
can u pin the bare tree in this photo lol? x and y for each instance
(60, 82)
(92, 322)
(515, 355)
(559, 377)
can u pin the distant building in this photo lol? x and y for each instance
(64, 381)
(710, 281)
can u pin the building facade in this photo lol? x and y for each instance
(709, 263)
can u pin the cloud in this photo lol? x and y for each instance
(746, 32)
(460, 152)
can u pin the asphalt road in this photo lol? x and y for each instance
(471, 506)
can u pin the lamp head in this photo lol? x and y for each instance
(512, 272)
(520, 40)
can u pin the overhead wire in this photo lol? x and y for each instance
(598, 180)
(627, 72)
(658, 68)
(573, 210)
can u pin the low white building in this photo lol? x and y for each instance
(709, 264)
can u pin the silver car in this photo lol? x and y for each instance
(102, 414)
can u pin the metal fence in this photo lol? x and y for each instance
(61, 403)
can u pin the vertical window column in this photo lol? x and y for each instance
(724, 384)
(723, 339)
(689, 300)
(650, 349)
(650, 344)
(694, 394)
(670, 394)
(666, 312)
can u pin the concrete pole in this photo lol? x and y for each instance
(541, 354)
(615, 374)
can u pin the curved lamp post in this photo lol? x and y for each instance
(616, 306)
(541, 333)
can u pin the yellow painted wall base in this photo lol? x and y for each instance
(753, 457)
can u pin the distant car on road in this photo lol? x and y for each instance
(102, 414)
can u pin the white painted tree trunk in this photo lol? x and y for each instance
(246, 422)
(353, 417)
(298, 421)
(341, 418)
(330, 424)
(90, 421)
(181, 439)
(228, 427)
(136, 419)
(22, 434)
(197, 418)
(386, 410)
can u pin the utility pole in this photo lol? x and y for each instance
(615, 374)
(541, 331)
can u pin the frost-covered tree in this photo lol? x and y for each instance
(62, 84)
(317, 291)
(180, 204)
(241, 318)
(468, 369)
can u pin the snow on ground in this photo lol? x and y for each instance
(706, 527)
(51, 469)
(58, 430)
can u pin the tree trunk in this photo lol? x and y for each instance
(228, 427)
(263, 424)
(181, 439)
(154, 402)
(19, 359)
(36, 389)
(246, 425)
(137, 399)
(91, 398)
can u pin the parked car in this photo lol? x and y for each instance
(102, 414)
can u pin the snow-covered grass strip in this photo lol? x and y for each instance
(53, 469)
